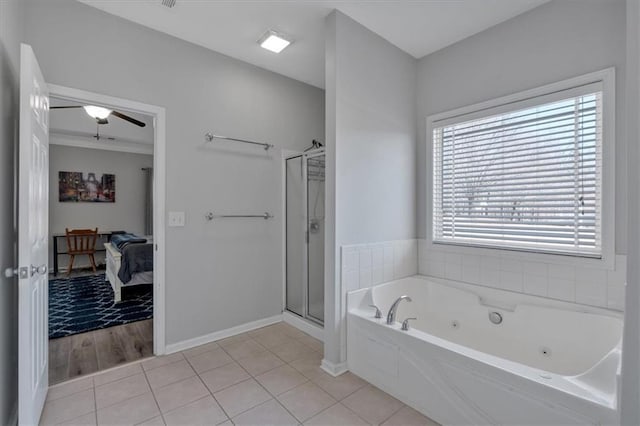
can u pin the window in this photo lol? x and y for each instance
(524, 175)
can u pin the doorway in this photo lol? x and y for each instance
(304, 240)
(130, 325)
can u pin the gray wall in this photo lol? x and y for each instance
(556, 41)
(630, 414)
(127, 213)
(375, 138)
(371, 149)
(11, 34)
(219, 274)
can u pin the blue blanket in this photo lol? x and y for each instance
(120, 241)
(135, 258)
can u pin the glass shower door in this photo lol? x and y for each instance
(295, 237)
(315, 167)
(305, 235)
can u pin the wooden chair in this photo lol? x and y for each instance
(81, 242)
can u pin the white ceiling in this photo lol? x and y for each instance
(418, 27)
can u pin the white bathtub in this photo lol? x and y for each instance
(547, 362)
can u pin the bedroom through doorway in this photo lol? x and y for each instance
(101, 250)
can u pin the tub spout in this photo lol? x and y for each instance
(391, 316)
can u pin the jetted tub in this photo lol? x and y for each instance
(546, 363)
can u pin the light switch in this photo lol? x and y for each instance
(176, 219)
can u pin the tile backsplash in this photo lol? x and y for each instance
(364, 265)
(589, 286)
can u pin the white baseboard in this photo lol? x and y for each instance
(334, 369)
(308, 327)
(222, 334)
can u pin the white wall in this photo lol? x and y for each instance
(227, 272)
(11, 34)
(126, 214)
(556, 41)
(371, 126)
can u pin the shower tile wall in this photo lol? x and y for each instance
(364, 265)
(589, 286)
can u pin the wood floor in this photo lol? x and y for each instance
(97, 350)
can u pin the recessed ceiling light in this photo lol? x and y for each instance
(273, 41)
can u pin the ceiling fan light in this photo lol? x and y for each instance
(273, 41)
(97, 112)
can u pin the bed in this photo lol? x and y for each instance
(129, 262)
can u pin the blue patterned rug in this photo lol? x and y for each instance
(80, 304)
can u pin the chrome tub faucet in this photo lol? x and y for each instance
(391, 316)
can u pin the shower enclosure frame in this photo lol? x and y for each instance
(304, 156)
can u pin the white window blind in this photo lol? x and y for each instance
(528, 177)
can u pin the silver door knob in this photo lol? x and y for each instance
(42, 269)
(11, 272)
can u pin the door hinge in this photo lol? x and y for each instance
(17, 272)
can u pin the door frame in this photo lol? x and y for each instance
(159, 193)
(286, 154)
(310, 326)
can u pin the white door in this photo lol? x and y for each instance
(33, 206)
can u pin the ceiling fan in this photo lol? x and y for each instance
(98, 137)
(100, 114)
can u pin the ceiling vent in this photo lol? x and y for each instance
(169, 3)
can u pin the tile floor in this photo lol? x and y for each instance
(269, 376)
